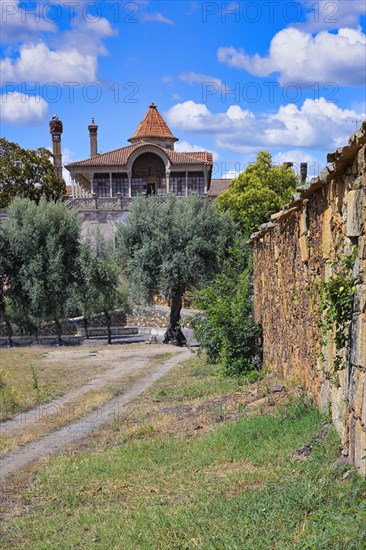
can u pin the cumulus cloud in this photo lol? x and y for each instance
(186, 147)
(22, 110)
(155, 17)
(38, 63)
(195, 117)
(302, 58)
(69, 56)
(19, 25)
(328, 15)
(296, 156)
(316, 124)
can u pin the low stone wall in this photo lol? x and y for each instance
(292, 254)
(156, 317)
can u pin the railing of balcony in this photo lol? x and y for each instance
(107, 204)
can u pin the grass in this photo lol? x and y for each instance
(234, 485)
(199, 379)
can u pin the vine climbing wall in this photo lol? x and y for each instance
(300, 258)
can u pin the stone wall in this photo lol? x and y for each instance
(156, 317)
(294, 252)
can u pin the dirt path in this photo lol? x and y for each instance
(131, 363)
(56, 441)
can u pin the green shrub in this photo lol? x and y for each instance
(225, 327)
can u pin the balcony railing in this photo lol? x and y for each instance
(106, 204)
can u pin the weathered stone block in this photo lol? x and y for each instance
(357, 399)
(359, 451)
(327, 240)
(358, 347)
(304, 248)
(303, 222)
(354, 213)
(360, 299)
(363, 414)
(339, 409)
(361, 160)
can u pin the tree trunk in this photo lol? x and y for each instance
(109, 323)
(59, 333)
(86, 327)
(174, 333)
(9, 331)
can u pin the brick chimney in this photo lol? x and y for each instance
(304, 171)
(56, 130)
(93, 134)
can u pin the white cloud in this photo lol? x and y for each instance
(22, 110)
(186, 147)
(296, 156)
(69, 56)
(324, 14)
(195, 117)
(196, 78)
(67, 158)
(230, 175)
(299, 57)
(86, 36)
(155, 17)
(316, 124)
(37, 63)
(19, 25)
(167, 79)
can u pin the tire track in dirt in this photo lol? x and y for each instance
(34, 415)
(56, 441)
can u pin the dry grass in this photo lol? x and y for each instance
(57, 371)
(53, 418)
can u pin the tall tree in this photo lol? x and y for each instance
(28, 174)
(42, 246)
(258, 192)
(172, 247)
(99, 288)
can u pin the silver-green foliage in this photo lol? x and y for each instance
(171, 247)
(41, 244)
(100, 289)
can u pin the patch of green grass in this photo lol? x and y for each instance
(160, 358)
(198, 379)
(236, 487)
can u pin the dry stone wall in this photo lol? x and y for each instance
(293, 253)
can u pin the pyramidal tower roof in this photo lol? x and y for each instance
(152, 126)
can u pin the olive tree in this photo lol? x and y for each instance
(42, 247)
(99, 288)
(171, 247)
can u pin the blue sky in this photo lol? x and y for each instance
(231, 77)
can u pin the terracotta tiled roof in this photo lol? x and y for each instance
(152, 126)
(119, 157)
(218, 186)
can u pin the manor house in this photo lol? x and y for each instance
(149, 165)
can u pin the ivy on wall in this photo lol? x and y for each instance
(335, 302)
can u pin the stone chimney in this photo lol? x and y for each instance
(93, 134)
(304, 171)
(56, 129)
